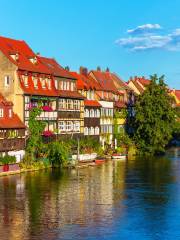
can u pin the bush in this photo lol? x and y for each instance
(58, 154)
(7, 160)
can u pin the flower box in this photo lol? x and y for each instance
(47, 108)
(48, 133)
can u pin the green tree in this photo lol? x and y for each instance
(154, 117)
(36, 128)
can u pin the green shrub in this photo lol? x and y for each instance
(7, 160)
(58, 154)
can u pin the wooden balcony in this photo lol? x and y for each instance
(12, 144)
(68, 115)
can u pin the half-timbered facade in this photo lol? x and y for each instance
(92, 108)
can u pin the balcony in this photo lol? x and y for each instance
(48, 116)
(12, 144)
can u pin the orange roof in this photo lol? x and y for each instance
(91, 103)
(143, 81)
(70, 94)
(10, 47)
(119, 104)
(85, 82)
(31, 90)
(105, 79)
(55, 68)
(13, 122)
(177, 93)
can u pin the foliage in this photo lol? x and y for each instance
(6, 159)
(58, 154)
(36, 128)
(154, 117)
(89, 145)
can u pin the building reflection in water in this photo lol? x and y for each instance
(92, 201)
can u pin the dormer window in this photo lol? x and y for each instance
(10, 113)
(25, 80)
(49, 83)
(33, 59)
(1, 112)
(43, 83)
(7, 80)
(15, 56)
(35, 81)
(56, 83)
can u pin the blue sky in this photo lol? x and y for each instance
(130, 37)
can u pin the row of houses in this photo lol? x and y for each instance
(74, 104)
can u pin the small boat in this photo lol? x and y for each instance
(99, 161)
(119, 156)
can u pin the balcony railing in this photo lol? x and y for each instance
(47, 116)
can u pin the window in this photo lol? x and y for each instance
(91, 131)
(69, 104)
(97, 113)
(86, 131)
(64, 85)
(61, 104)
(76, 104)
(86, 113)
(77, 126)
(25, 80)
(56, 83)
(43, 83)
(69, 126)
(1, 112)
(91, 113)
(7, 80)
(62, 126)
(10, 113)
(35, 82)
(67, 85)
(72, 86)
(61, 85)
(49, 83)
(96, 130)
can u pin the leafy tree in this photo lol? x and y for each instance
(154, 117)
(36, 128)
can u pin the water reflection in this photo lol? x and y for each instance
(118, 200)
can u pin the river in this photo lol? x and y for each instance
(137, 199)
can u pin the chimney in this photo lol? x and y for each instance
(98, 69)
(107, 69)
(38, 54)
(67, 68)
(83, 71)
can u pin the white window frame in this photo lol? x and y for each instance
(86, 131)
(96, 130)
(1, 112)
(86, 114)
(7, 80)
(61, 126)
(77, 126)
(69, 126)
(62, 104)
(10, 113)
(92, 113)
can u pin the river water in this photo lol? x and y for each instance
(137, 199)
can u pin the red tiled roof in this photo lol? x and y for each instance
(177, 93)
(105, 80)
(119, 104)
(70, 94)
(10, 46)
(143, 81)
(31, 90)
(13, 122)
(9, 122)
(91, 103)
(85, 82)
(55, 68)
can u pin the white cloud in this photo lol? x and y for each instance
(142, 29)
(141, 39)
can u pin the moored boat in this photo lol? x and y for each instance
(118, 156)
